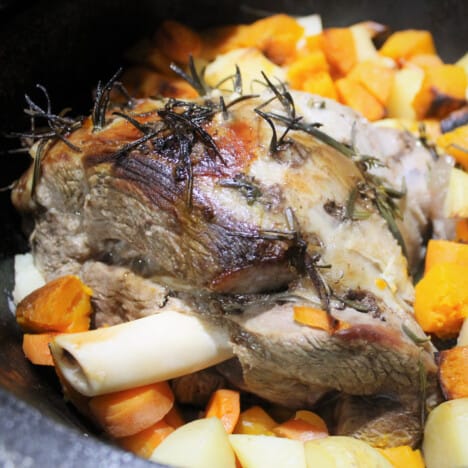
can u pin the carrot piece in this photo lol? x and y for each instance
(340, 50)
(403, 457)
(177, 41)
(127, 412)
(143, 443)
(36, 348)
(443, 251)
(224, 405)
(312, 317)
(441, 299)
(455, 143)
(376, 78)
(406, 44)
(304, 67)
(356, 96)
(321, 83)
(255, 421)
(303, 429)
(442, 91)
(62, 305)
(461, 231)
(174, 418)
(453, 372)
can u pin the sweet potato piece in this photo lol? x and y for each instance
(225, 405)
(174, 418)
(36, 348)
(312, 317)
(339, 48)
(461, 231)
(442, 91)
(143, 443)
(406, 44)
(443, 251)
(281, 49)
(403, 457)
(425, 60)
(313, 43)
(322, 84)
(355, 95)
(177, 41)
(453, 372)
(441, 299)
(304, 67)
(455, 143)
(127, 412)
(376, 78)
(302, 428)
(62, 305)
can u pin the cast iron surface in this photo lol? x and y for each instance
(68, 46)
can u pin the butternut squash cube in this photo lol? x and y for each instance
(455, 143)
(442, 91)
(406, 44)
(453, 372)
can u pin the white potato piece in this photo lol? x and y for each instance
(151, 349)
(406, 84)
(345, 452)
(259, 451)
(456, 201)
(463, 335)
(251, 63)
(445, 443)
(198, 444)
(27, 277)
(365, 49)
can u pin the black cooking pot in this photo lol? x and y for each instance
(68, 46)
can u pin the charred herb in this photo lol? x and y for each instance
(193, 78)
(418, 340)
(245, 185)
(426, 141)
(102, 99)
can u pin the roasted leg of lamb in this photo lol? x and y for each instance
(243, 208)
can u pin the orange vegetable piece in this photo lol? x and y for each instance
(453, 372)
(312, 317)
(127, 412)
(322, 84)
(406, 44)
(339, 48)
(312, 418)
(174, 418)
(225, 405)
(355, 95)
(443, 251)
(255, 421)
(177, 41)
(143, 443)
(376, 78)
(281, 49)
(455, 143)
(442, 91)
(313, 43)
(304, 67)
(425, 60)
(403, 457)
(441, 299)
(62, 305)
(36, 348)
(304, 426)
(461, 231)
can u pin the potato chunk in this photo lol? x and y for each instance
(444, 442)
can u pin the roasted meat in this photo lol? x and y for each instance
(239, 208)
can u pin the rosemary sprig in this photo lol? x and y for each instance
(420, 341)
(193, 77)
(422, 387)
(246, 186)
(102, 99)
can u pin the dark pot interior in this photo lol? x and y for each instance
(67, 46)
